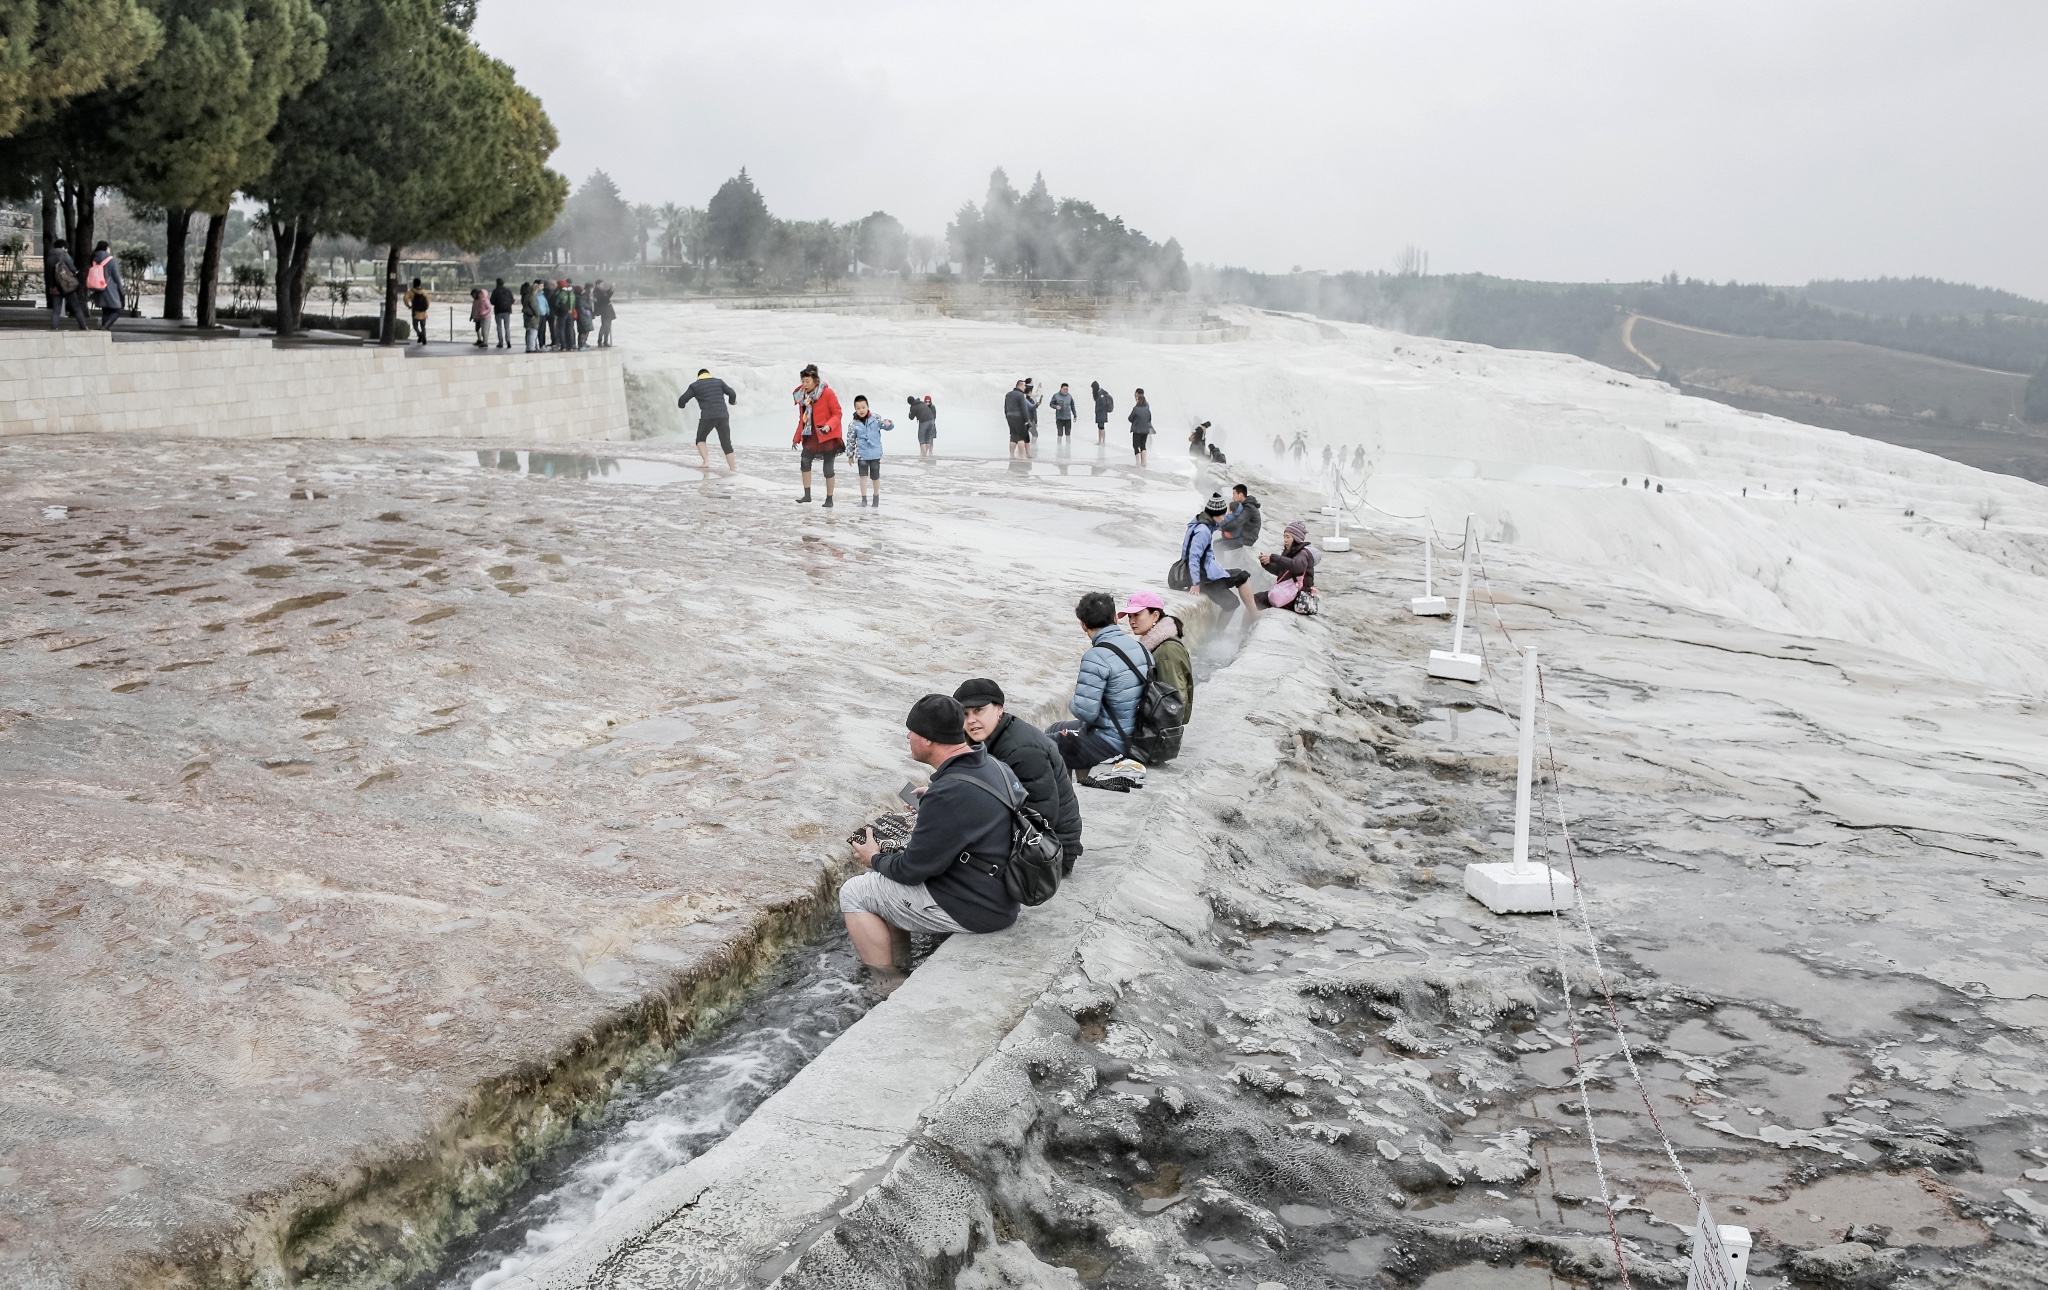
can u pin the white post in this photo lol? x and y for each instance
(1428, 554)
(1464, 590)
(1525, 767)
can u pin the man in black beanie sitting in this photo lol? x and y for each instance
(1031, 755)
(948, 876)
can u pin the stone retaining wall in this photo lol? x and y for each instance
(72, 382)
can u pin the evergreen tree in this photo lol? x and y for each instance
(966, 241)
(2037, 396)
(737, 223)
(880, 241)
(411, 134)
(52, 51)
(194, 126)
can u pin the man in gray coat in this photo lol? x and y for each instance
(1031, 755)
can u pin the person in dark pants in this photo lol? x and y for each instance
(819, 436)
(1141, 427)
(1224, 587)
(416, 300)
(1063, 413)
(713, 400)
(1032, 756)
(103, 279)
(501, 309)
(1017, 414)
(58, 268)
(1239, 526)
(948, 877)
(926, 414)
(1111, 679)
(605, 314)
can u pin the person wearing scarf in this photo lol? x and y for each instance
(818, 435)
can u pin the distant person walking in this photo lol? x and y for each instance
(818, 435)
(1141, 426)
(1017, 415)
(1063, 413)
(714, 399)
(501, 309)
(480, 315)
(1104, 405)
(1031, 401)
(605, 315)
(542, 311)
(926, 415)
(103, 280)
(864, 433)
(64, 287)
(1300, 450)
(417, 301)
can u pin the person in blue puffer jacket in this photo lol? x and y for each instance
(1225, 588)
(864, 433)
(1113, 674)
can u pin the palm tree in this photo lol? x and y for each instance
(644, 217)
(670, 215)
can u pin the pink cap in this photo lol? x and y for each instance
(1142, 600)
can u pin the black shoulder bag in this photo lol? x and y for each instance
(1031, 876)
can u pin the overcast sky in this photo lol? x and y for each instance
(1777, 142)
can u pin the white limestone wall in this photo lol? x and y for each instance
(73, 382)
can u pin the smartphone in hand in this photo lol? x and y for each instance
(909, 794)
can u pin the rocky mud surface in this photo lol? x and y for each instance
(1809, 870)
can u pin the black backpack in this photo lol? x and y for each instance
(1154, 738)
(1178, 576)
(1032, 874)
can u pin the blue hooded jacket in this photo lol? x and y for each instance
(865, 434)
(1106, 692)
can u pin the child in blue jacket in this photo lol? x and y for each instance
(864, 436)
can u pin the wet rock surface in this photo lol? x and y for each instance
(370, 813)
(1800, 873)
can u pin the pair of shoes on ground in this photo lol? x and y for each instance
(807, 497)
(1118, 776)
(877, 503)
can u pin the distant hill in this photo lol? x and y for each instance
(1928, 297)
(1934, 365)
(1998, 330)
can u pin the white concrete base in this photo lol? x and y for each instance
(1430, 607)
(1334, 544)
(1537, 889)
(1456, 667)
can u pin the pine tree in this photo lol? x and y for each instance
(737, 223)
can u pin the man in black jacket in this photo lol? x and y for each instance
(948, 876)
(1104, 405)
(1032, 756)
(1240, 527)
(501, 309)
(1017, 413)
(713, 396)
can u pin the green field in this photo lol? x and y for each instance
(1964, 413)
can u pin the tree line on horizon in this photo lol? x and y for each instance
(379, 120)
(1973, 325)
(1008, 235)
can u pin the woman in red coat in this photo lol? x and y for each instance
(817, 428)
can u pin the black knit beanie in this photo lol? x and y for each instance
(939, 719)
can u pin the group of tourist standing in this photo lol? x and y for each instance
(1020, 413)
(556, 315)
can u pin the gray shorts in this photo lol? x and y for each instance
(910, 908)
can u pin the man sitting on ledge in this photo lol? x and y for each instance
(948, 876)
